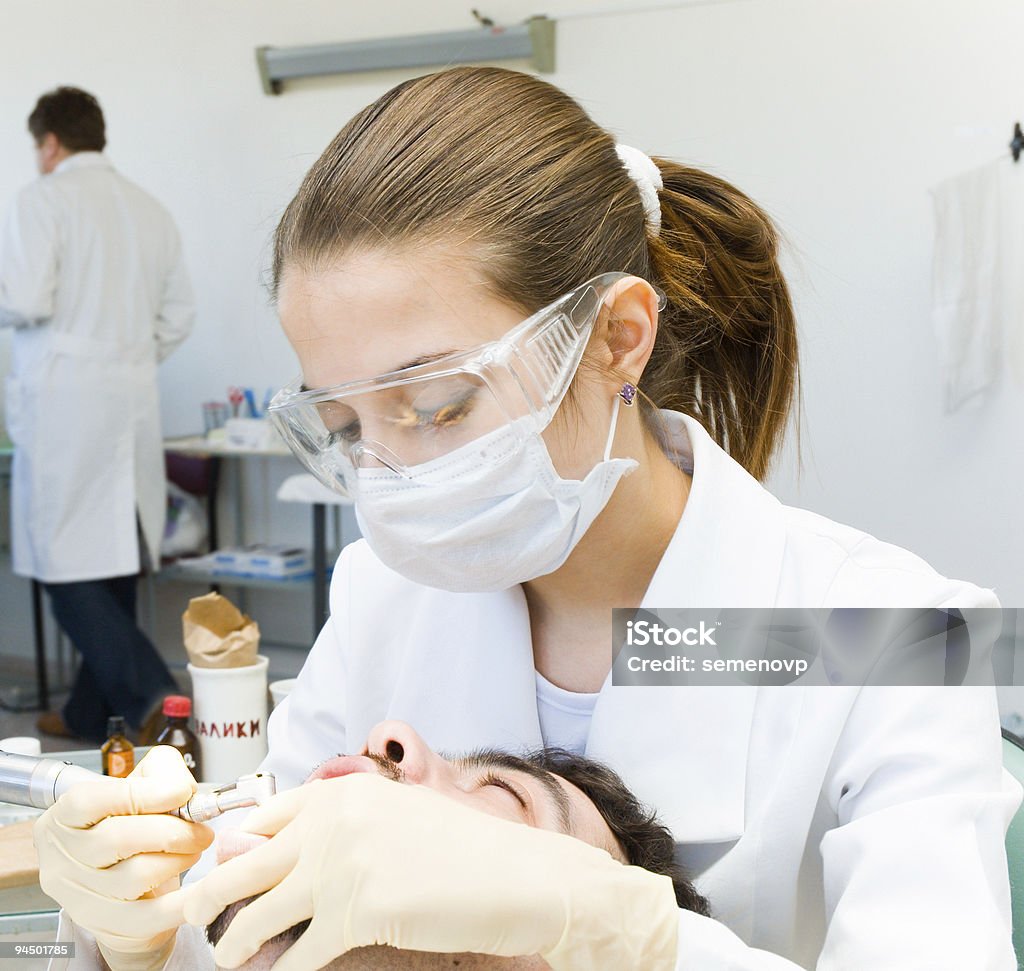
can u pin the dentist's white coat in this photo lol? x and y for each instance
(92, 278)
(831, 828)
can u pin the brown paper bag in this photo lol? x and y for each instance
(217, 634)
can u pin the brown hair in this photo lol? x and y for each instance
(73, 115)
(514, 168)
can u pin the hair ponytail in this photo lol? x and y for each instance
(726, 351)
(542, 193)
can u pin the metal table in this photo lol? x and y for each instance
(42, 683)
(200, 447)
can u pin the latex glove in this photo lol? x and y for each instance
(373, 861)
(111, 858)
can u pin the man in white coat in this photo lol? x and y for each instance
(93, 281)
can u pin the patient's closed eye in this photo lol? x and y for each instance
(495, 780)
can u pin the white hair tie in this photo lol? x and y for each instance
(647, 177)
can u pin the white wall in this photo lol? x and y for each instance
(837, 115)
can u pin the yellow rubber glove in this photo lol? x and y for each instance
(373, 861)
(112, 860)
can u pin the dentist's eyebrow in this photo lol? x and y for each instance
(425, 359)
(490, 759)
(415, 362)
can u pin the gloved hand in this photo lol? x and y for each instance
(111, 858)
(373, 861)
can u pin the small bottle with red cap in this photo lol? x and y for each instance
(176, 733)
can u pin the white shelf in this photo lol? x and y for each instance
(183, 574)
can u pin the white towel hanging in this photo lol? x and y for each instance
(968, 280)
(1012, 201)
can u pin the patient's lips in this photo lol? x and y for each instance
(342, 765)
(233, 842)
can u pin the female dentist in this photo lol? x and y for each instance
(550, 371)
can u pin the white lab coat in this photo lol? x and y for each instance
(833, 828)
(92, 278)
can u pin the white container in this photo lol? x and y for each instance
(230, 711)
(21, 745)
(231, 560)
(279, 562)
(262, 560)
(252, 434)
(279, 690)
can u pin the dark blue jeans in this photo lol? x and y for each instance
(121, 672)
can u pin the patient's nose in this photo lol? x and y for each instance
(400, 743)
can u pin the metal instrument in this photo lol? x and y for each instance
(27, 780)
(247, 790)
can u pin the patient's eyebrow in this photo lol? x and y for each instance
(492, 759)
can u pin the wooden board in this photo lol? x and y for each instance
(19, 865)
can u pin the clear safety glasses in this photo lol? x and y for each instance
(404, 419)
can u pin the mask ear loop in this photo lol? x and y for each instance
(611, 430)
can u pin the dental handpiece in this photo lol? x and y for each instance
(26, 780)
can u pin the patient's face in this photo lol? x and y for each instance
(494, 783)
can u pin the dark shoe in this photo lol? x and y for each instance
(52, 723)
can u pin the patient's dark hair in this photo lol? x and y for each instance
(645, 841)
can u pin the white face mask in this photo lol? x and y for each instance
(486, 516)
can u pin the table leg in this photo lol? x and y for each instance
(42, 687)
(319, 567)
(211, 501)
(212, 522)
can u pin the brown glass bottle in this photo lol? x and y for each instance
(177, 709)
(117, 752)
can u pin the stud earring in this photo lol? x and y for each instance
(628, 393)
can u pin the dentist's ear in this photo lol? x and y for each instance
(632, 325)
